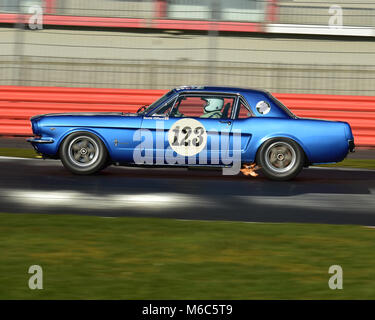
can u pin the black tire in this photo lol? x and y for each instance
(107, 163)
(83, 153)
(280, 159)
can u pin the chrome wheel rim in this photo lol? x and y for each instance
(280, 157)
(83, 151)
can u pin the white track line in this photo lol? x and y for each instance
(71, 199)
(17, 158)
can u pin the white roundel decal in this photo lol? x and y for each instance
(263, 107)
(187, 137)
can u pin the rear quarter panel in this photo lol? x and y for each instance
(322, 141)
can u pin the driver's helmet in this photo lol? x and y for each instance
(213, 104)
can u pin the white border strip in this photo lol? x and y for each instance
(320, 30)
(17, 158)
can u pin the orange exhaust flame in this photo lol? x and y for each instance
(249, 170)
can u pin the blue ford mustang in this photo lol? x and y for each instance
(194, 126)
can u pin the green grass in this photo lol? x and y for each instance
(137, 258)
(18, 152)
(353, 163)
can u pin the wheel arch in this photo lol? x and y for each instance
(68, 133)
(275, 137)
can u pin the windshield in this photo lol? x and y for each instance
(157, 102)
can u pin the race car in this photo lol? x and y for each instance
(195, 126)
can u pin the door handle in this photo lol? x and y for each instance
(226, 121)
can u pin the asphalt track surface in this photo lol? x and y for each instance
(315, 196)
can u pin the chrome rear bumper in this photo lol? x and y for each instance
(351, 146)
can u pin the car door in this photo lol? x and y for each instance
(154, 129)
(182, 129)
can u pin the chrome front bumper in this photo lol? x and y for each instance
(40, 140)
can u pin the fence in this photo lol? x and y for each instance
(18, 104)
(161, 74)
(108, 59)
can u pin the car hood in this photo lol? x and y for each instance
(88, 114)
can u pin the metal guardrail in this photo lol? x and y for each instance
(164, 74)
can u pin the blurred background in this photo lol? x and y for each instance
(283, 46)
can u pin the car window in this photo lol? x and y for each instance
(244, 112)
(165, 110)
(282, 106)
(154, 104)
(209, 106)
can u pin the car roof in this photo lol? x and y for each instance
(220, 89)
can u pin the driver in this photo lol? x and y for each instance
(213, 107)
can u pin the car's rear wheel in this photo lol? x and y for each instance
(83, 153)
(280, 159)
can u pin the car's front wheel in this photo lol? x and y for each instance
(83, 153)
(280, 159)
